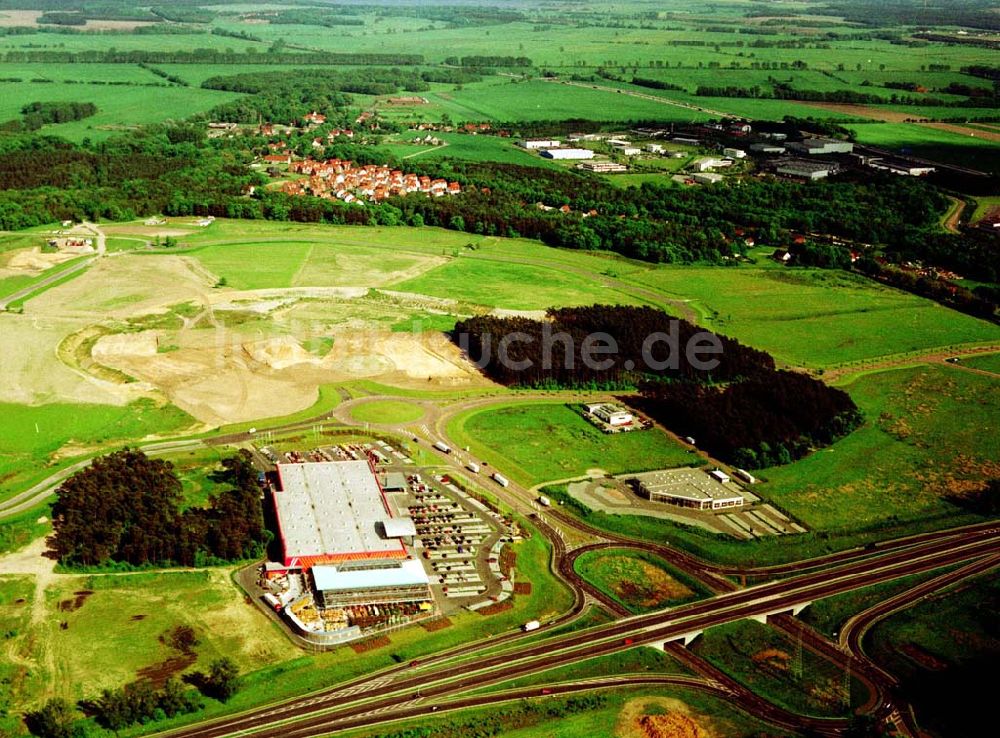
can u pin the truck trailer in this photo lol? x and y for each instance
(500, 479)
(442, 447)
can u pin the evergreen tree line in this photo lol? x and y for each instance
(743, 411)
(207, 56)
(126, 508)
(547, 362)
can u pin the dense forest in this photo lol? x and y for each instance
(126, 508)
(742, 410)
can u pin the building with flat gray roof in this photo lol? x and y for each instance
(343, 585)
(331, 512)
(687, 488)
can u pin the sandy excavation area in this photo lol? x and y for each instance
(236, 378)
(222, 355)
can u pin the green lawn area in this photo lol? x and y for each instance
(638, 580)
(387, 411)
(465, 146)
(543, 441)
(930, 431)
(30, 435)
(195, 469)
(989, 362)
(509, 285)
(295, 263)
(113, 634)
(766, 661)
(983, 205)
(815, 318)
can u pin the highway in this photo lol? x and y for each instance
(441, 681)
(320, 712)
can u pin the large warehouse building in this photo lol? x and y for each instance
(689, 488)
(333, 513)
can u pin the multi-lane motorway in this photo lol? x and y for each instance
(443, 681)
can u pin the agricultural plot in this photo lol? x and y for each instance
(815, 318)
(921, 140)
(539, 442)
(930, 433)
(989, 363)
(508, 285)
(465, 146)
(639, 581)
(120, 107)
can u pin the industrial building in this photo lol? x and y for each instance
(610, 413)
(805, 169)
(821, 146)
(535, 144)
(691, 488)
(706, 178)
(333, 512)
(345, 585)
(603, 167)
(568, 154)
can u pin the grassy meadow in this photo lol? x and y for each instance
(31, 436)
(931, 432)
(542, 441)
(815, 318)
(639, 581)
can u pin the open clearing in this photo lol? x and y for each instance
(931, 431)
(639, 581)
(543, 441)
(387, 411)
(815, 318)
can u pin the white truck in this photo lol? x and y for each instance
(273, 602)
(442, 447)
(531, 625)
(472, 467)
(544, 501)
(500, 479)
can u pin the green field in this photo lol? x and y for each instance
(31, 435)
(930, 432)
(815, 318)
(394, 412)
(769, 663)
(541, 441)
(508, 285)
(989, 363)
(464, 146)
(119, 107)
(970, 151)
(635, 579)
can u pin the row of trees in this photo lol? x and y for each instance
(136, 703)
(127, 508)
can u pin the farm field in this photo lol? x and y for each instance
(814, 318)
(464, 146)
(922, 140)
(930, 433)
(120, 107)
(539, 442)
(638, 580)
(508, 285)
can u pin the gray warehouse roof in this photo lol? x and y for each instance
(332, 508)
(685, 484)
